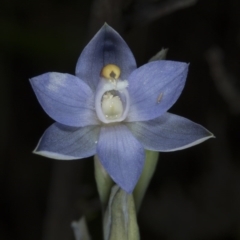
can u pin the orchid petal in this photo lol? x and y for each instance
(121, 155)
(169, 133)
(154, 88)
(65, 98)
(67, 143)
(106, 47)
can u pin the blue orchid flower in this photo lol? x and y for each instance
(114, 109)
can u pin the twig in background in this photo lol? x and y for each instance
(223, 80)
(148, 11)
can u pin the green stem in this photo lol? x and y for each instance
(120, 221)
(151, 160)
(103, 181)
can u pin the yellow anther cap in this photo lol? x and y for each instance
(111, 71)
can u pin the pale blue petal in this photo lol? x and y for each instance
(65, 98)
(68, 143)
(106, 47)
(169, 133)
(121, 155)
(154, 88)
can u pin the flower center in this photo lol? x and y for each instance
(112, 98)
(112, 106)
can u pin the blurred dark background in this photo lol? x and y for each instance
(195, 193)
